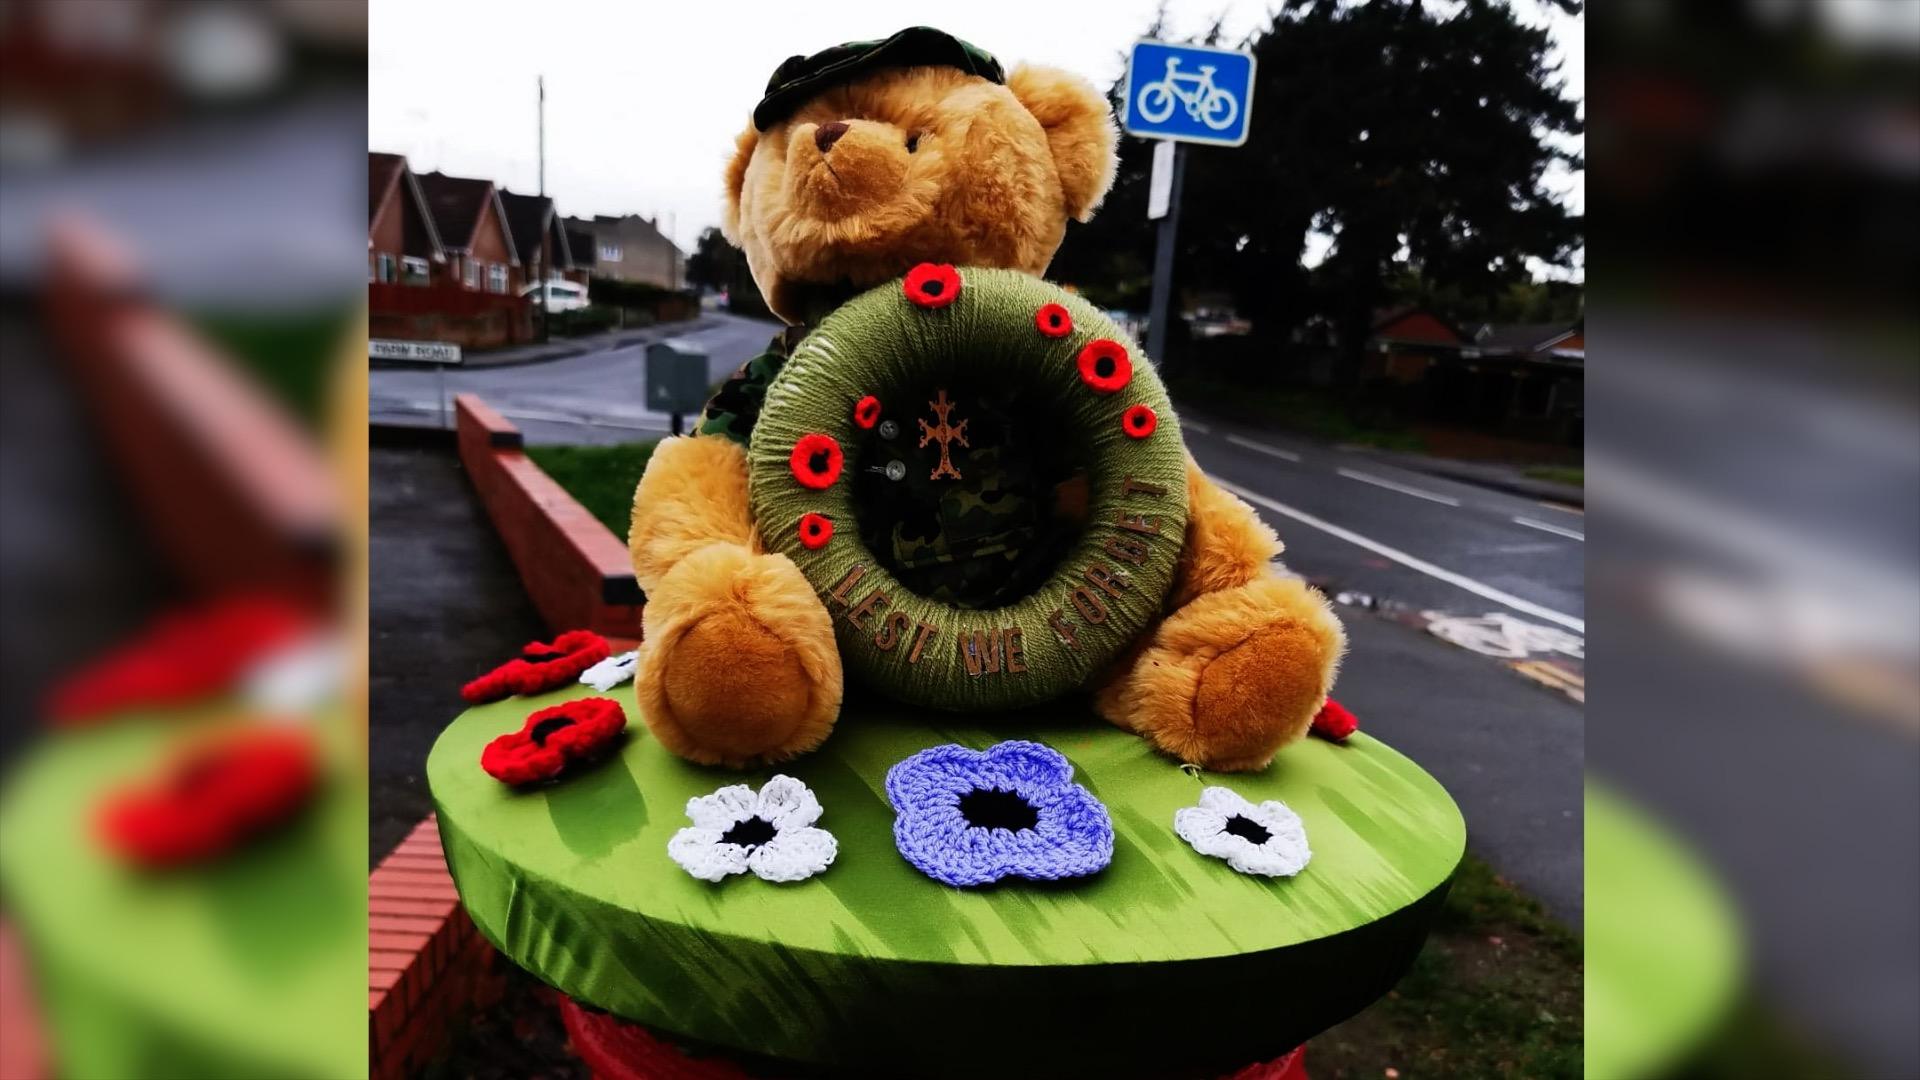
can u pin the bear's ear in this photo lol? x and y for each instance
(1079, 127)
(736, 177)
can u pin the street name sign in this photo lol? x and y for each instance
(1160, 187)
(425, 352)
(1189, 93)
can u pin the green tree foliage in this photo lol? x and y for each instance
(1417, 135)
(713, 260)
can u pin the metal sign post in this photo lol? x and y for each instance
(1170, 161)
(438, 353)
(1181, 94)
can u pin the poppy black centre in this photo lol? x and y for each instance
(990, 808)
(750, 833)
(1249, 830)
(818, 462)
(1103, 367)
(547, 727)
(933, 287)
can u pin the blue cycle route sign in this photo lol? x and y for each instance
(1189, 93)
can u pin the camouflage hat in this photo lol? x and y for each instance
(801, 77)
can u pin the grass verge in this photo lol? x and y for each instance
(1306, 412)
(601, 477)
(1496, 992)
(1560, 474)
(291, 355)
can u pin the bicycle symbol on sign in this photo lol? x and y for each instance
(1205, 102)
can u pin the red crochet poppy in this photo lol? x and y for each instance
(1139, 421)
(551, 738)
(1335, 722)
(866, 412)
(181, 657)
(1053, 320)
(933, 285)
(540, 667)
(816, 461)
(815, 531)
(1104, 365)
(210, 798)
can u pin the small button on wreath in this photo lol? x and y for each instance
(1267, 839)
(553, 739)
(1104, 365)
(816, 461)
(541, 666)
(933, 285)
(769, 832)
(971, 817)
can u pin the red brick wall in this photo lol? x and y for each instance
(564, 555)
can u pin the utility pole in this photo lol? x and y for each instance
(540, 271)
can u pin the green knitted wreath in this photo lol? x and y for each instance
(1083, 423)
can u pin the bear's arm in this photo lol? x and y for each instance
(694, 493)
(1227, 543)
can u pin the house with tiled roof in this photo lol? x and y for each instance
(402, 244)
(538, 237)
(472, 225)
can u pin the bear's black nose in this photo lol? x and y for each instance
(826, 135)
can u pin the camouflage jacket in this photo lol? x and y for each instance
(975, 541)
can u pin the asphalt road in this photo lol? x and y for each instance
(596, 397)
(1508, 749)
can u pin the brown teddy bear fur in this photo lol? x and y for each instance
(739, 666)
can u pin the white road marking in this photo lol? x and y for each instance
(1195, 425)
(1369, 478)
(1263, 448)
(1554, 529)
(1498, 596)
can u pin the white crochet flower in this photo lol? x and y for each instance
(610, 672)
(1267, 839)
(771, 833)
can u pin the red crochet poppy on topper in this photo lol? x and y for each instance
(540, 667)
(210, 798)
(1335, 722)
(553, 738)
(181, 657)
(932, 285)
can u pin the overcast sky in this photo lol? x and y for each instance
(644, 98)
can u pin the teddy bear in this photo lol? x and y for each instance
(861, 162)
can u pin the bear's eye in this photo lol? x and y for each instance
(913, 142)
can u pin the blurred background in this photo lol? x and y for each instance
(182, 478)
(1754, 461)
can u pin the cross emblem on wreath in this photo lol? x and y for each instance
(944, 434)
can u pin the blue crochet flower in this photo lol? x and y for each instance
(970, 817)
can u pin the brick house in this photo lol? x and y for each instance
(538, 237)
(633, 249)
(442, 264)
(472, 224)
(583, 250)
(402, 244)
